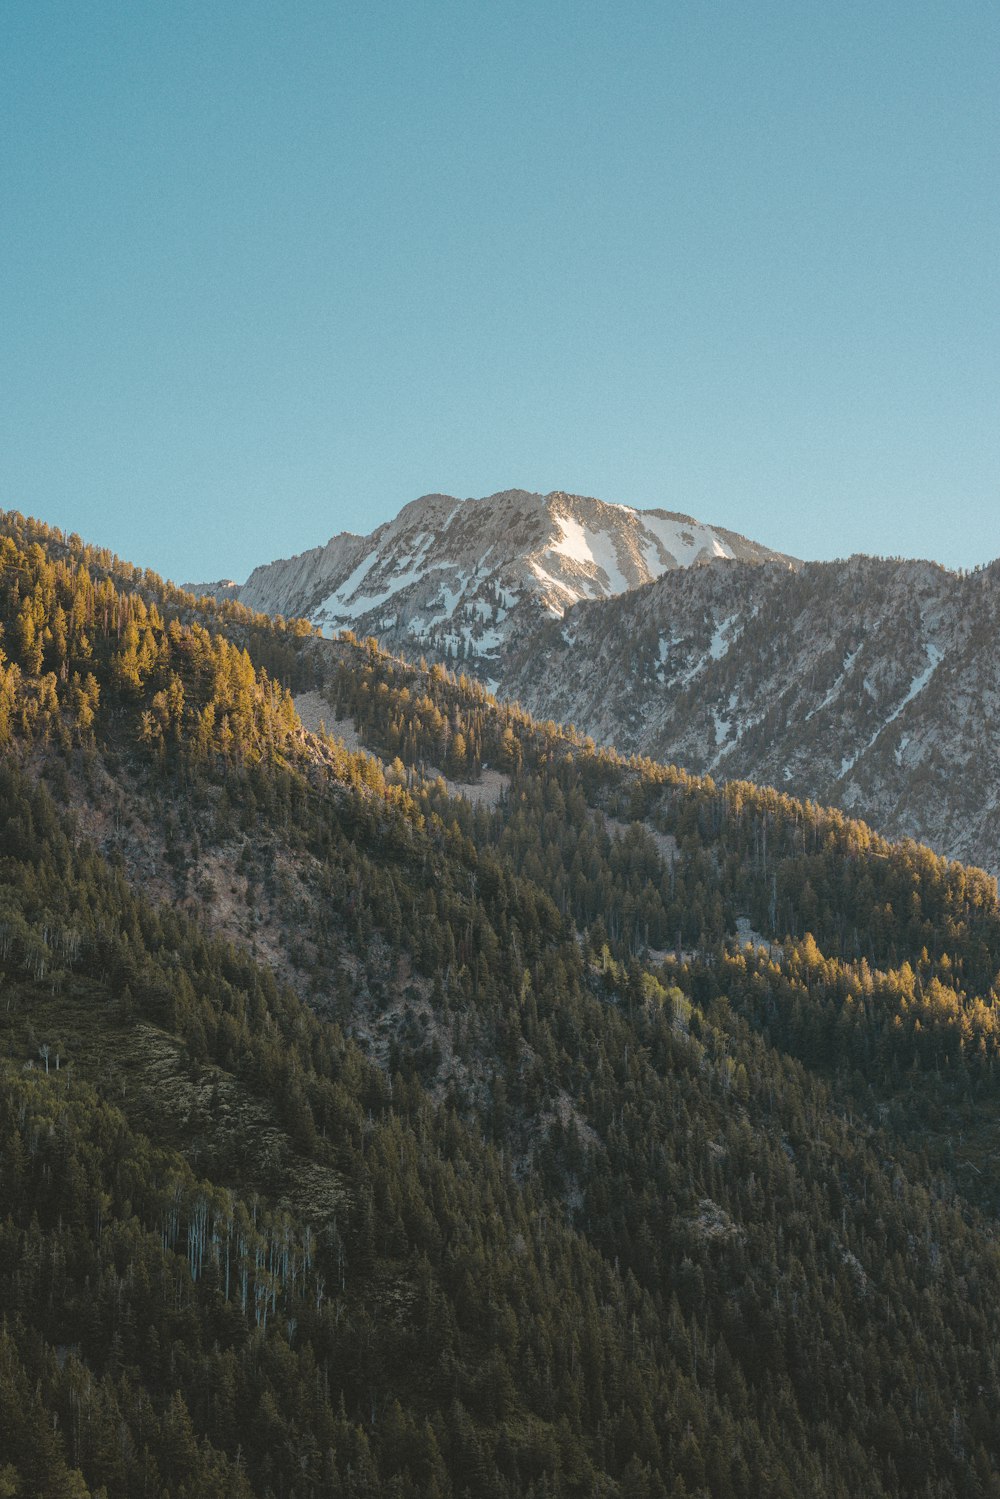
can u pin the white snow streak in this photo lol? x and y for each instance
(720, 645)
(916, 687)
(673, 543)
(591, 549)
(849, 661)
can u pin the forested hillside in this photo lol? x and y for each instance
(362, 1137)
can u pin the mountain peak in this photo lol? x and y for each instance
(457, 579)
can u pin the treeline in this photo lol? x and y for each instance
(791, 867)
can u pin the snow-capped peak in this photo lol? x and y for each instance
(453, 578)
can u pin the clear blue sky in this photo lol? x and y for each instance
(268, 271)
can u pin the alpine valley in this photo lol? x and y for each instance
(402, 1095)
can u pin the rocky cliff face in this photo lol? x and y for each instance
(465, 580)
(870, 685)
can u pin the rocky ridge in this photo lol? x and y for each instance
(465, 580)
(871, 685)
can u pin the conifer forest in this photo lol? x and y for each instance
(426, 1102)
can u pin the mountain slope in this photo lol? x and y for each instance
(869, 684)
(358, 1137)
(461, 579)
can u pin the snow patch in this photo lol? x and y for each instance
(569, 595)
(916, 687)
(349, 585)
(720, 645)
(677, 543)
(590, 549)
(573, 541)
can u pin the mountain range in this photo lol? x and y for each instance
(868, 684)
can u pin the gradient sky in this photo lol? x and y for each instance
(269, 271)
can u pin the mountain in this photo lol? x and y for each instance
(868, 684)
(448, 1106)
(462, 579)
